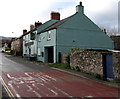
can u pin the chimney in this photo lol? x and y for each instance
(80, 8)
(24, 31)
(32, 27)
(37, 24)
(55, 16)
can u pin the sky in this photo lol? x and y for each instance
(16, 15)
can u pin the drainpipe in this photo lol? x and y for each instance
(56, 45)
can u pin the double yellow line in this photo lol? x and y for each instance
(7, 89)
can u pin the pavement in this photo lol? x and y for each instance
(113, 84)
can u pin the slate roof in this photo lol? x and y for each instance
(42, 27)
(46, 25)
(56, 24)
(29, 32)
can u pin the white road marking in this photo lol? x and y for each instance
(63, 92)
(15, 92)
(45, 78)
(37, 94)
(53, 91)
(30, 88)
(88, 96)
(36, 79)
(8, 75)
(10, 94)
(18, 96)
(51, 77)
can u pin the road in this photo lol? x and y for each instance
(23, 78)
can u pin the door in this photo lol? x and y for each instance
(49, 54)
(108, 66)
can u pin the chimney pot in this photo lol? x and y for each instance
(37, 24)
(55, 16)
(80, 8)
(24, 31)
(32, 27)
(80, 3)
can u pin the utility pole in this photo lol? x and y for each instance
(119, 17)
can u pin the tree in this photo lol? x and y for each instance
(110, 31)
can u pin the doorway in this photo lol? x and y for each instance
(49, 54)
(107, 67)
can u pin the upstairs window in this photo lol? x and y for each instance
(49, 37)
(39, 38)
(32, 36)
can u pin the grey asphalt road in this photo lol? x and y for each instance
(24, 78)
(10, 63)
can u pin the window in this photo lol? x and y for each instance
(42, 54)
(39, 38)
(39, 52)
(32, 36)
(32, 49)
(49, 38)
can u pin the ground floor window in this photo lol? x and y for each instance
(39, 52)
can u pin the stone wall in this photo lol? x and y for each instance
(91, 62)
(116, 65)
(64, 58)
(87, 61)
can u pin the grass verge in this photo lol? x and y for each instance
(59, 65)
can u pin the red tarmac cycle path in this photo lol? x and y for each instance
(54, 84)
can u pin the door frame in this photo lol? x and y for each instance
(107, 66)
(49, 54)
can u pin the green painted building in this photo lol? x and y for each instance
(76, 31)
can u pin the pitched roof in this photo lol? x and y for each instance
(29, 32)
(46, 25)
(58, 23)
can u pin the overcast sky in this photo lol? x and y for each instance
(16, 15)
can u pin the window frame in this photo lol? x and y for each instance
(39, 38)
(48, 35)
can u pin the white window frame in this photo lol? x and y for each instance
(39, 51)
(48, 35)
(32, 49)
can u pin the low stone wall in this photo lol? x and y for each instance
(91, 62)
(87, 61)
(116, 65)
(64, 58)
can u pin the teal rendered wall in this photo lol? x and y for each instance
(33, 47)
(26, 48)
(80, 21)
(83, 39)
(44, 42)
(80, 32)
